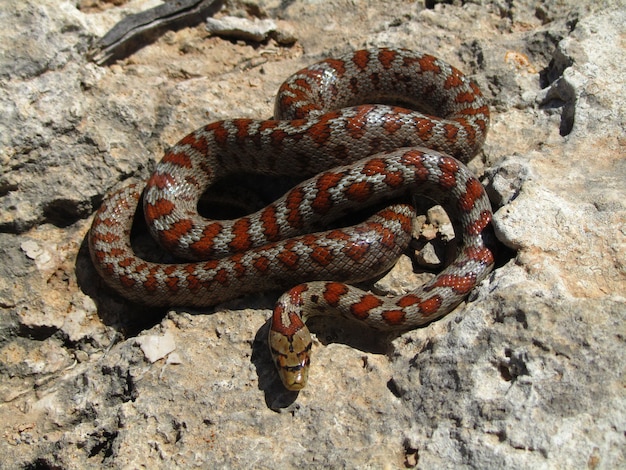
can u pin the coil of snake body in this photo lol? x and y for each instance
(330, 127)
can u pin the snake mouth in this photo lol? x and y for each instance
(295, 377)
(295, 387)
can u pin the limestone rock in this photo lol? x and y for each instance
(528, 373)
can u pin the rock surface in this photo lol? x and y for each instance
(529, 373)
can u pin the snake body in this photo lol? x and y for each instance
(329, 128)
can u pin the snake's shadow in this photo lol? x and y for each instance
(127, 318)
(326, 330)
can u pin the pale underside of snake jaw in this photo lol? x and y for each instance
(331, 131)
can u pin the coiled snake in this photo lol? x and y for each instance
(328, 127)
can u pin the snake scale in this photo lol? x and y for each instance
(357, 130)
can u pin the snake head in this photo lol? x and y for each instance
(292, 356)
(290, 341)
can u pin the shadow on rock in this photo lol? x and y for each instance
(127, 318)
(327, 330)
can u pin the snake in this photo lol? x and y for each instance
(374, 128)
